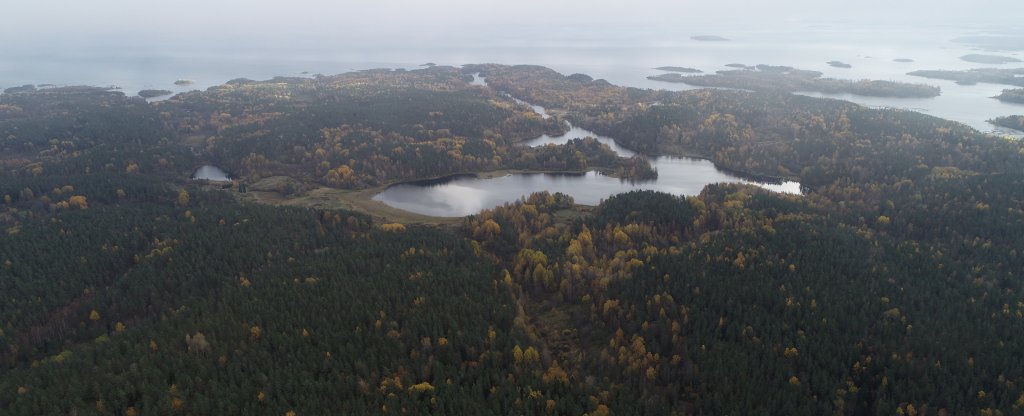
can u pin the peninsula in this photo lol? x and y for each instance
(788, 79)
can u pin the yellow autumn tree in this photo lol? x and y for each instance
(555, 373)
(78, 201)
(488, 229)
(183, 198)
(421, 387)
(197, 343)
(393, 227)
(621, 238)
(530, 355)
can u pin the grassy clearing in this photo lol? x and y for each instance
(359, 201)
(322, 197)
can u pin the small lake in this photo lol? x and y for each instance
(211, 173)
(462, 195)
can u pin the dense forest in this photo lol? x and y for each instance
(892, 286)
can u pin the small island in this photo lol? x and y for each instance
(838, 64)
(1012, 96)
(741, 66)
(989, 59)
(709, 38)
(788, 79)
(154, 93)
(903, 60)
(184, 82)
(974, 76)
(680, 69)
(1010, 122)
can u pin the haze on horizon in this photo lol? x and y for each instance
(67, 22)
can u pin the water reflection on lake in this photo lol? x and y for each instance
(211, 173)
(467, 194)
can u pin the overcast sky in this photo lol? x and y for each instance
(196, 19)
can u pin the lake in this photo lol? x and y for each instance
(211, 173)
(462, 195)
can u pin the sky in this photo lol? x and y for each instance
(394, 20)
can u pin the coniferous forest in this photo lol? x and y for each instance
(893, 285)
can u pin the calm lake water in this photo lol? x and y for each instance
(463, 195)
(211, 173)
(466, 194)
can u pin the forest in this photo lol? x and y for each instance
(892, 286)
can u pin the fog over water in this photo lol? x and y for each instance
(139, 44)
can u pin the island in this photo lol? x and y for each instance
(839, 64)
(741, 66)
(903, 60)
(709, 38)
(680, 69)
(1010, 122)
(184, 82)
(1007, 76)
(989, 59)
(1012, 96)
(154, 93)
(788, 79)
